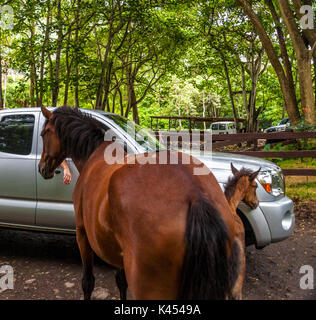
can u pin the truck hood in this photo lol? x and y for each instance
(219, 163)
(279, 126)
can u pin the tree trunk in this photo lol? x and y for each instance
(244, 90)
(179, 114)
(1, 97)
(291, 104)
(306, 88)
(303, 63)
(66, 91)
(76, 82)
(315, 78)
(113, 100)
(231, 95)
(121, 101)
(283, 50)
(131, 95)
(107, 83)
(105, 70)
(42, 65)
(32, 69)
(308, 35)
(5, 87)
(132, 102)
(32, 84)
(68, 70)
(255, 72)
(51, 67)
(204, 124)
(55, 89)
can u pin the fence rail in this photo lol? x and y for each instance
(192, 121)
(221, 140)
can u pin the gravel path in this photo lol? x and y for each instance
(48, 266)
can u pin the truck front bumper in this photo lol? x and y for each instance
(272, 221)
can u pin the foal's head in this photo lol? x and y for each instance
(243, 186)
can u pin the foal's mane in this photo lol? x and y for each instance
(232, 182)
(78, 132)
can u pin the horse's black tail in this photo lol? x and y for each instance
(207, 272)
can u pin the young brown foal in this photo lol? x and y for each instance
(171, 231)
(241, 187)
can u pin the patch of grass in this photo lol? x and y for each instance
(301, 190)
(298, 188)
(298, 163)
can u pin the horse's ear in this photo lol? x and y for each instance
(234, 170)
(253, 176)
(46, 113)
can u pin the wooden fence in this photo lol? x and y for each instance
(221, 140)
(192, 121)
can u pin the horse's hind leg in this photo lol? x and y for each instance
(121, 283)
(86, 254)
(236, 293)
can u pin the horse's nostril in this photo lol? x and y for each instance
(42, 170)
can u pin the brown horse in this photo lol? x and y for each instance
(171, 231)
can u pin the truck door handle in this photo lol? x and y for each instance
(57, 171)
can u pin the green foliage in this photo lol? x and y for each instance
(172, 53)
(302, 127)
(299, 144)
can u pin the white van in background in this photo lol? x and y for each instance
(223, 127)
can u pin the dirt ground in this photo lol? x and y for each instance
(273, 273)
(48, 266)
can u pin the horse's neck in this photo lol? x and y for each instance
(100, 152)
(79, 164)
(235, 199)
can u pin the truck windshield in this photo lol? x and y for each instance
(141, 135)
(284, 121)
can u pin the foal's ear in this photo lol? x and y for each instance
(234, 170)
(46, 113)
(253, 176)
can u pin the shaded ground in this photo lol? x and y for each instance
(273, 272)
(48, 266)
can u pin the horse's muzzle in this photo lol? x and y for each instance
(46, 174)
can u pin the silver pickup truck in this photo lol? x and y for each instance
(27, 201)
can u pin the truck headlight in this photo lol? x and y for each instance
(272, 181)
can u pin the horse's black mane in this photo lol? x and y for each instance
(232, 182)
(78, 132)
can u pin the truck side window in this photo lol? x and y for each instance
(16, 134)
(222, 127)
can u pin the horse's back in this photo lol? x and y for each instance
(151, 197)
